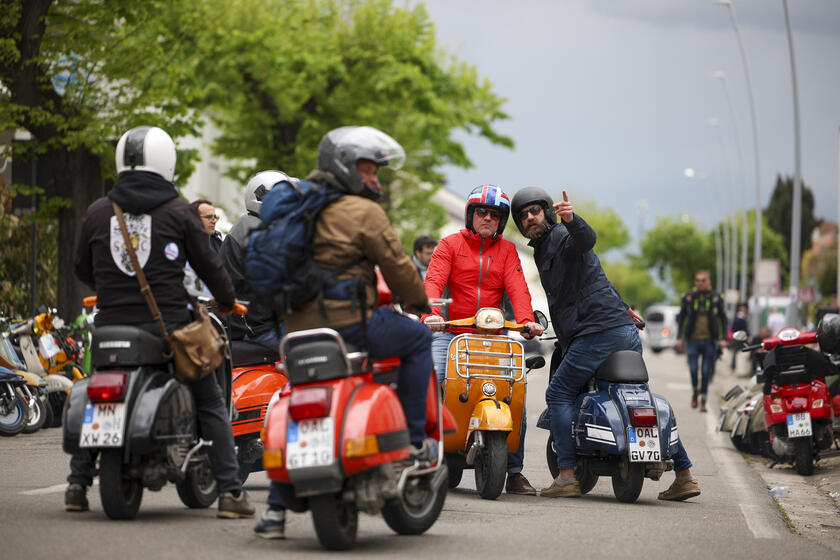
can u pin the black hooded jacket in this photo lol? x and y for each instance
(167, 233)
(581, 300)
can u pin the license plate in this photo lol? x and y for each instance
(103, 425)
(309, 443)
(643, 444)
(799, 424)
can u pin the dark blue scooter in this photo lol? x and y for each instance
(622, 429)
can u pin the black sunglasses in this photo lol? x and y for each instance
(481, 212)
(533, 210)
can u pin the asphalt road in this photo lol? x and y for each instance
(734, 516)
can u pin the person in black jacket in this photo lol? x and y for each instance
(702, 322)
(261, 324)
(591, 322)
(166, 233)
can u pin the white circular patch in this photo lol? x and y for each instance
(171, 251)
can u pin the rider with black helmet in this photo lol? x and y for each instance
(168, 233)
(590, 319)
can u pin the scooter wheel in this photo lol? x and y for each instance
(120, 494)
(627, 482)
(804, 460)
(336, 521)
(551, 458)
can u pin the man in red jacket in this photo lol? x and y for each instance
(479, 266)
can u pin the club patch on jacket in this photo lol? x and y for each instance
(140, 231)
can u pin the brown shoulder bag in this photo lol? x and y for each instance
(197, 348)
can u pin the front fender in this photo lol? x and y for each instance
(490, 415)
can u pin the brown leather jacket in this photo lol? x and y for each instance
(350, 229)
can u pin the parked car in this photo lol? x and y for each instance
(661, 321)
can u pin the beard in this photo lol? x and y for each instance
(535, 231)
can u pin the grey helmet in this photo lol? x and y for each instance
(341, 148)
(828, 333)
(147, 148)
(532, 195)
(258, 186)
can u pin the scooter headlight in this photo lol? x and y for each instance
(489, 318)
(489, 389)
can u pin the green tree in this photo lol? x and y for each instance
(779, 212)
(274, 76)
(634, 283)
(677, 249)
(608, 226)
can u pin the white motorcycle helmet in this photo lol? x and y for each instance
(258, 186)
(147, 148)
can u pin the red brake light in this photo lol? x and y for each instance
(312, 402)
(642, 416)
(107, 387)
(798, 404)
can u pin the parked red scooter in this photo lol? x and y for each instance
(336, 441)
(797, 405)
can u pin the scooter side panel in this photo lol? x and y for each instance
(598, 426)
(162, 411)
(252, 389)
(74, 413)
(374, 410)
(668, 434)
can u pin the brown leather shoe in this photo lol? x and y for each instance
(703, 405)
(518, 484)
(694, 396)
(681, 489)
(565, 489)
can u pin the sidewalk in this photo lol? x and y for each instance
(813, 508)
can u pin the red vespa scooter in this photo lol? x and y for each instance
(797, 405)
(336, 441)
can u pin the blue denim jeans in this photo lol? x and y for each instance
(584, 355)
(707, 348)
(391, 334)
(440, 346)
(578, 365)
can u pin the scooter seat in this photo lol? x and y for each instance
(126, 345)
(624, 366)
(251, 354)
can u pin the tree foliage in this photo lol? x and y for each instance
(779, 212)
(608, 226)
(677, 249)
(634, 283)
(274, 76)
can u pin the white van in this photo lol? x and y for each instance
(661, 326)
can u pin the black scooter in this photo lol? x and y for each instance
(142, 422)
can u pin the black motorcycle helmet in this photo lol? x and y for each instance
(828, 333)
(532, 195)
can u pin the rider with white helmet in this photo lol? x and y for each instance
(260, 325)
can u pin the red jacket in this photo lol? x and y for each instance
(476, 268)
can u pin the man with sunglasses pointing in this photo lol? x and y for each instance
(591, 322)
(478, 267)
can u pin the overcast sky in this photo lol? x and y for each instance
(610, 99)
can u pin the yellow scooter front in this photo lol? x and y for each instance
(484, 388)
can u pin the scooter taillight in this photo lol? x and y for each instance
(642, 416)
(797, 404)
(107, 387)
(312, 402)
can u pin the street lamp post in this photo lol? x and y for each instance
(758, 212)
(733, 237)
(742, 287)
(796, 218)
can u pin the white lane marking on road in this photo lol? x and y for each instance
(761, 522)
(680, 386)
(49, 489)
